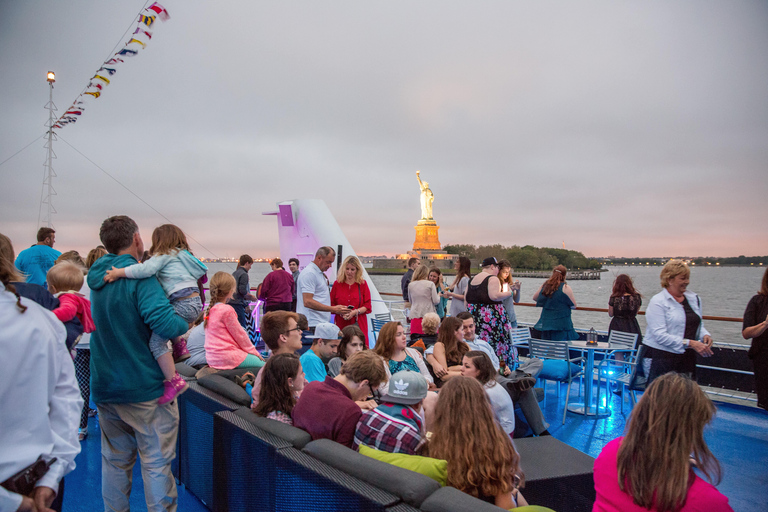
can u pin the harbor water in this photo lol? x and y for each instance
(724, 291)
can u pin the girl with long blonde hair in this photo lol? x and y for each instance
(227, 345)
(351, 290)
(482, 461)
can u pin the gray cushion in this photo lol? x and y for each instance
(412, 488)
(296, 436)
(449, 499)
(185, 370)
(237, 372)
(225, 388)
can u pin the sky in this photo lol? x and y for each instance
(614, 128)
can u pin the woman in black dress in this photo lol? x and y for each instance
(623, 306)
(755, 326)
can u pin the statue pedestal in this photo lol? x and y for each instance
(426, 236)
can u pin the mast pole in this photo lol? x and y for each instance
(49, 172)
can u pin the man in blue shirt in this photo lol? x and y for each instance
(324, 347)
(38, 259)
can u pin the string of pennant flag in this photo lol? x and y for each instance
(138, 41)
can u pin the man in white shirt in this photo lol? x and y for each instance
(41, 401)
(313, 293)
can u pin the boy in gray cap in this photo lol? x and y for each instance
(396, 425)
(325, 345)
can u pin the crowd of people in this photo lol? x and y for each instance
(111, 329)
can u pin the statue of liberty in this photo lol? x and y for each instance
(426, 199)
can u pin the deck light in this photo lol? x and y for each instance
(51, 76)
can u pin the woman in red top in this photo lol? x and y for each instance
(351, 290)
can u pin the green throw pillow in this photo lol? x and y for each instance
(436, 469)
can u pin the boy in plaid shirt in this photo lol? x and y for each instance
(396, 425)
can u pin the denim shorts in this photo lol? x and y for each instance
(188, 309)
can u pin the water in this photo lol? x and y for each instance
(724, 291)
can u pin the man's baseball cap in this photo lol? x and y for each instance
(326, 331)
(406, 388)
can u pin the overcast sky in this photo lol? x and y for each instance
(618, 128)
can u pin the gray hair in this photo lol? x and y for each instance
(324, 251)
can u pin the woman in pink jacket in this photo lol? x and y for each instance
(651, 467)
(227, 345)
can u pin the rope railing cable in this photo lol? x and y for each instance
(135, 194)
(22, 149)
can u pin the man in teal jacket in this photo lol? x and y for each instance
(126, 381)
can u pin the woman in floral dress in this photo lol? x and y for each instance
(484, 300)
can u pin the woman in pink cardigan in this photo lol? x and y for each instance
(227, 345)
(651, 467)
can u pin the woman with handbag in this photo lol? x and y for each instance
(351, 290)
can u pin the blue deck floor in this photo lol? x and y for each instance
(738, 437)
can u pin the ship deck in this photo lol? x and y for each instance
(738, 436)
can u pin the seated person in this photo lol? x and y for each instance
(282, 334)
(391, 346)
(663, 444)
(327, 409)
(196, 344)
(395, 426)
(477, 364)
(283, 381)
(227, 345)
(522, 396)
(448, 351)
(482, 460)
(429, 325)
(352, 341)
(324, 347)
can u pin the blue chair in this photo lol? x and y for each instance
(558, 365)
(623, 371)
(377, 322)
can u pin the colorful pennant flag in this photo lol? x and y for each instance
(160, 10)
(144, 21)
(140, 30)
(147, 20)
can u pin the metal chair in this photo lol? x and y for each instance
(377, 322)
(520, 336)
(558, 351)
(611, 369)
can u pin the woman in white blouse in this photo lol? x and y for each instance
(675, 333)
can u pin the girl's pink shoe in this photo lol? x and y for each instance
(180, 352)
(176, 386)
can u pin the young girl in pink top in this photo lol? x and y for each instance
(227, 345)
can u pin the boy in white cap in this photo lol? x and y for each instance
(396, 425)
(325, 346)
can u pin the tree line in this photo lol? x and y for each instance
(700, 260)
(527, 257)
